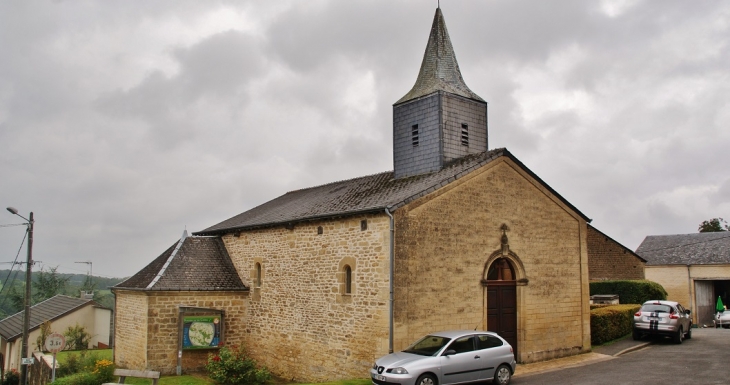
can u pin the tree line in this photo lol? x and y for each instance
(47, 283)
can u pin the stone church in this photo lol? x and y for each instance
(321, 281)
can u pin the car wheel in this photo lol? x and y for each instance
(502, 375)
(426, 379)
(689, 333)
(679, 336)
(636, 335)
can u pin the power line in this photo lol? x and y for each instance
(12, 282)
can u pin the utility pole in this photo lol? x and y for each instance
(23, 380)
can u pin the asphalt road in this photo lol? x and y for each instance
(704, 359)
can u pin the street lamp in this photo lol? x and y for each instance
(23, 380)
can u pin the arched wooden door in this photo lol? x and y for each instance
(502, 301)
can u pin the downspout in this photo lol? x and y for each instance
(392, 264)
(689, 293)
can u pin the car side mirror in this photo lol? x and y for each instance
(687, 311)
(449, 352)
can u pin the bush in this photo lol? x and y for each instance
(85, 362)
(12, 377)
(82, 378)
(611, 322)
(102, 371)
(638, 291)
(234, 367)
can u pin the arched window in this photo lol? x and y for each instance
(257, 278)
(501, 270)
(348, 279)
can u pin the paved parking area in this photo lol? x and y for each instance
(705, 359)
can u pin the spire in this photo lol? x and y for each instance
(439, 69)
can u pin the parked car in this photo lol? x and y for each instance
(448, 357)
(667, 318)
(722, 319)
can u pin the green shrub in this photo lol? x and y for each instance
(638, 291)
(611, 322)
(12, 377)
(233, 367)
(81, 378)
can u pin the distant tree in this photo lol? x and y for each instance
(713, 225)
(89, 284)
(17, 299)
(48, 284)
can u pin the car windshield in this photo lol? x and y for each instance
(656, 309)
(428, 345)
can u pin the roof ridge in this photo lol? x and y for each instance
(339, 181)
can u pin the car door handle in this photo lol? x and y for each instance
(476, 357)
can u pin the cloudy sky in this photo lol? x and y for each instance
(124, 123)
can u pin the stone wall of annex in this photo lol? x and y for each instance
(130, 329)
(443, 242)
(300, 322)
(150, 319)
(608, 259)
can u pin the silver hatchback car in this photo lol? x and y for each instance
(667, 318)
(448, 357)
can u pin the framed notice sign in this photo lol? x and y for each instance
(202, 331)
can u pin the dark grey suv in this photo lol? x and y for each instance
(667, 318)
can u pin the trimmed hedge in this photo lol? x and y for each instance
(636, 291)
(611, 322)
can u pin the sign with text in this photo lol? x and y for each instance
(55, 343)
(201, 332)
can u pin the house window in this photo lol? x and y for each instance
(257, 277)
(348, 280)
(414, 135)
(363, 225)
(320, 230)
(465, 134)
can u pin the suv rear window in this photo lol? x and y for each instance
(656, 308)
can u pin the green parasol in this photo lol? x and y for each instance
(719, 307)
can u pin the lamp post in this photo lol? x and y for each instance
(23, 380)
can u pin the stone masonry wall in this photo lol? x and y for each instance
(442, 245)
(130, 330)
(163, 326)
(147, 327)
(608, 259)
(300, 322)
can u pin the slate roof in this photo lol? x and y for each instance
(366, 194)
(48, 310)
(439, 68)
(686, 249)
(191, 264)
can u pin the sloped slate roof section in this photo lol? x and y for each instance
(371, 193)
(686, 249)
(200, 264)
(439, 68)
(48, 310)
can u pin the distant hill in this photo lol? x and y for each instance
(16, 279)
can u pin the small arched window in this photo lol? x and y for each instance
(501, 270)
(348, 280)
(257, 278)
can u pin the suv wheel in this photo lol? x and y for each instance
(689, 333)
(636, 335)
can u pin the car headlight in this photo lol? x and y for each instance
(399, 371)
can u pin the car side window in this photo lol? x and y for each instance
(485, 341)
(462, 345)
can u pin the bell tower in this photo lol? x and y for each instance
(440, 119)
